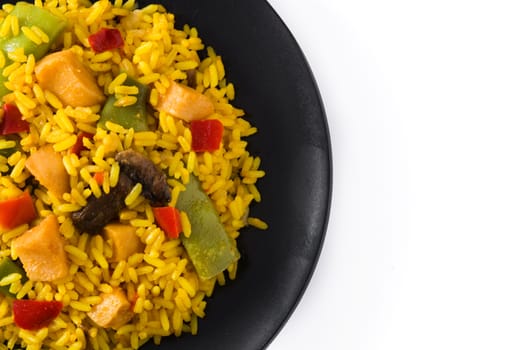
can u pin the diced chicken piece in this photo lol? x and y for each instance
(113, 311)
(132, 20)
(69, 79)
(124, 240)
(185, 103)
(41, 250)
(47, 167)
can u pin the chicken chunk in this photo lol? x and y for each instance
(47, 167)
(185, 103)
(113, 311)
(69, 79)
(124, 241)
(41, 250)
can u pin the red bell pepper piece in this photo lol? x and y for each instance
(79, 145)
(168, 218)
(133, 301)
(106, 39)
(12, 121)
(16, 211)
(35, 314)
(206, 135)
(99, 177)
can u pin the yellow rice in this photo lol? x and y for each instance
(170, 297)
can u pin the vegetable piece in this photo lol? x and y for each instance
(12, 121)
(69, 79)
(35, 314)
(30, 15)
(79, 145)
(124, 241)
(141, 169)
(47, 167)
(113, 311)
(134, 167)
(99, 177)
(168, 218)
(106, 39)
(206, 135)
(7, 267)
(185, 103)
(41, 250)
(6, 152)
(133, 301)
(102, 210)
(130, 117)
(191, 78)
(209, 246)
(16, 211)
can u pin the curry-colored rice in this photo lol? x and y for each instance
(169, 296)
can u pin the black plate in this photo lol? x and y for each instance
(277, 90)
(275, 86)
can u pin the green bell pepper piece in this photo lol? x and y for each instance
(7, 267)
(31, 15)
(210, 248)
(6, 152)
(130, 117)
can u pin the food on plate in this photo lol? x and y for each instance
(64, 74)
(209, 247)
(125, 177)
(41, 251)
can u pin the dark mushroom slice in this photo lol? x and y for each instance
(102, 210)
(141, 169)
(191, 78)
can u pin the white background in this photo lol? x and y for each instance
(425, 247)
